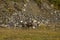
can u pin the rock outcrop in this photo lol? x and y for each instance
(27, 13)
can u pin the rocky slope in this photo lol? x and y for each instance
(28, 13)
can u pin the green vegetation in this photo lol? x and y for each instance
(56, 3)
(29, 34)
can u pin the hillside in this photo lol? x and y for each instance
(12, 12)
(29, 20)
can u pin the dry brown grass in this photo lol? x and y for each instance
(28, 34)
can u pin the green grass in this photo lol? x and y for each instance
(29, 34)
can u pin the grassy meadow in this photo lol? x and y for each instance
(40, 33)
